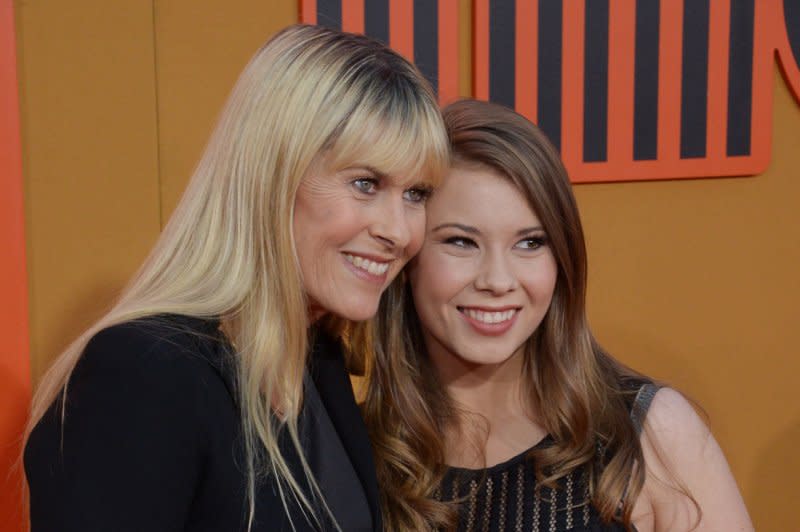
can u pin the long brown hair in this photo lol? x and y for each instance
(578, 389)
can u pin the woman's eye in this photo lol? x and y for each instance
(417, 194)
(460, 242)
(366, 185)
(533, 242)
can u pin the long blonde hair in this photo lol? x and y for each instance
(577, 388)
(228, 249)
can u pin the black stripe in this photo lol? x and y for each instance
(791, 13)
(329, 13)
(740, 77)
(645, 96)
(376, 19)
(426, 39)
(595, 82)
(502, 51)
(694, 79)
(549, 74)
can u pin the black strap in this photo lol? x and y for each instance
(641, 404)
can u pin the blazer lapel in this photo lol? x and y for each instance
(336, 393)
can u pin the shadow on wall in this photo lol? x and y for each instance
(772, 508)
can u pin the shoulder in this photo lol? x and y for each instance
(161, 332)
(154, 375)
(142, 411)
(155, 345)
(672, 421)
(687, 478)
(154, 364)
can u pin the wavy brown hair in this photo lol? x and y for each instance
(578, 389)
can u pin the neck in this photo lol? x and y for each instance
(498, 420)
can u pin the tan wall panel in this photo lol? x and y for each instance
(695, 282)
(89, 149)
(201, 50)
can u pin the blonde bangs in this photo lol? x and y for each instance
(395, 137)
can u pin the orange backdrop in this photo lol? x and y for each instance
(692, 281)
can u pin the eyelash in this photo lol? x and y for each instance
(460, 242)
(538, 241)
(464, 242)
(371, 182)
(369, 185)
(423, 193)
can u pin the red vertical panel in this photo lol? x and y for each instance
(767, 27)
(572, 74)
(789, 63)
(308, 11)
(401, 27)
(353, 15)
(718, 44)
(448, 51)
(480, 55)
(669, 80)
(621, 45)
(15, 386)
(527, 58)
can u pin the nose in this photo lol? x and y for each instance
(496, 274)
(391, 226)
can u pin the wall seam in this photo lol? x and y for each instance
(157, 120)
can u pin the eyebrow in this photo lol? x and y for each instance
(385, 176)
(465, 228)
(530, 230)
(360, 168)
(475, 231)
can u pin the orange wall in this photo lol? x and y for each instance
(694, 282)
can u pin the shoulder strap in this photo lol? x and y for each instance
(641, 404)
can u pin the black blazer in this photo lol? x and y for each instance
(151, 440)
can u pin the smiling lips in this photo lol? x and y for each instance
(490, 322)
(371, 267)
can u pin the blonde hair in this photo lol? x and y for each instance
(579, 390)
(228, 249)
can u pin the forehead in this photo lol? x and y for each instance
(480, 197)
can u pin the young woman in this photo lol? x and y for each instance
(489, 404)
(211, 397)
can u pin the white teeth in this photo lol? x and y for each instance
(375, 268)
(490, 317)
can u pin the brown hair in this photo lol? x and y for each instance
(579, 390)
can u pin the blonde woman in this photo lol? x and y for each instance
(490, 404)
(214, 396)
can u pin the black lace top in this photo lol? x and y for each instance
(507, 497)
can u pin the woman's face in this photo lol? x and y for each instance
(354, 230)
(485, 275)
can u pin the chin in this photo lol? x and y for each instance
(357, 312)
(490, 357)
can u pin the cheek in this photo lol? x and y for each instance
(435, 279)
(416, 229)
(542, 283)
